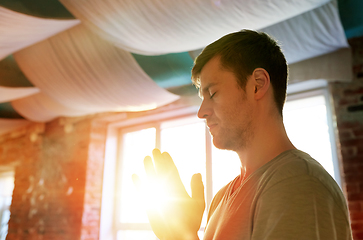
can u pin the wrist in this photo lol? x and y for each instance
(185, 237)
(193, 236)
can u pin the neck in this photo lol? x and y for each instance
(269, 140)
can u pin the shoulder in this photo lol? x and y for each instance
(295, 190)
(295, 164)
(296, 175)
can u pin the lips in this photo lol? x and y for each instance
(211, 126)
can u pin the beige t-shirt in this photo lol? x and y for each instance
(291, 197)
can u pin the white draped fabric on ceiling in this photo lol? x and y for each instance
(85, 65)
(19, 31)
(153, 27)
(87, 74)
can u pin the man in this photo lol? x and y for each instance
(281, 193)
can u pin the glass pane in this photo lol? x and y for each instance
(307, 127)
(136, 145)
(6, 192)
(136, 235)
(186, 145)
(225, 167)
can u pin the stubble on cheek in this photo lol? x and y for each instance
(236, 135)
(235, 125)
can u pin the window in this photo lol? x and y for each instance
(6, 193)
(308, 123)
(307, 118)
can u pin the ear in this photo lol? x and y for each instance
(261, 82)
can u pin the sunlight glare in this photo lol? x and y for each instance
(136, 145)
(186, 145)
(158, 194)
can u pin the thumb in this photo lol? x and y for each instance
(198, 188)
(136, 181)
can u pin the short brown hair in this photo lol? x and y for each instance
(244, 51)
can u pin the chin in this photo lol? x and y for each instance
(221, 144)
(227, 143)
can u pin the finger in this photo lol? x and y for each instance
(137, 182)
(142, 192)
(168, 173)
(160, 165)
(198, 189)
(173, 174)
(149, 168)
(169, 164)
(140, 188)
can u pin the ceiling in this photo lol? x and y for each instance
(71, 58)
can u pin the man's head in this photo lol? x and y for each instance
(244, 51)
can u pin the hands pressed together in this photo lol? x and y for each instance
(172, 213)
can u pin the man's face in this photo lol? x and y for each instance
(226, 107)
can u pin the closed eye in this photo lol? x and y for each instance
(212, 95)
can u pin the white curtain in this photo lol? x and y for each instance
(42, 108)
(311, 34)
(18, 30)
(10, 93)
(83, 72)
(153, 27)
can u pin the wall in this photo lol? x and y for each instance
(348, 104)
(58, 179)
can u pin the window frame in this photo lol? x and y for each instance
(6, 173)
(322, 90)
(158, 126)
(110, 227)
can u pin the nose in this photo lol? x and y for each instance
(204, 110)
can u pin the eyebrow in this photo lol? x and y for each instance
(206, 89)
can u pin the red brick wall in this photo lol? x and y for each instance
(348, 103)
(94, 176)
(22, 149)
(58, 179)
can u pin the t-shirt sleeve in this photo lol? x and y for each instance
(300, 208)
